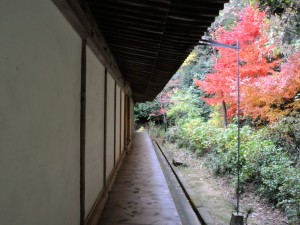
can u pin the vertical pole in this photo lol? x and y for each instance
(239, 124)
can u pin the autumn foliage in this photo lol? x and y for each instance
(265, 92)
(274, 96)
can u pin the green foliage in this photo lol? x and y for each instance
(278, 6)
(184, 104)
(228, 16)
(264, 164)
(187, 100)
(195, 135)
(280, 182)
(269, 155)
(225, 151)
(155, 131)
(284, 21)
(286, 135)
(142, 111)
(199, 65)
(172, 134)
(185, 115)
(216, 118)
(196, 66)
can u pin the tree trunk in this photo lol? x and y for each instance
(224, 111)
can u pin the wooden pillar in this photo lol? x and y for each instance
(82, 131)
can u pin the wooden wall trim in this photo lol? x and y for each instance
(125, 124)
(120, 124)
(82, 131)
(115, 122)
(128, 120)
(105, 128)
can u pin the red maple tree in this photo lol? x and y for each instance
(274, 96)
(254, 62)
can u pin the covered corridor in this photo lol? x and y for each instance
(70, 73)
(140, 194)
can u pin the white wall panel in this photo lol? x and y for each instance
(39, 115)
(95, 81)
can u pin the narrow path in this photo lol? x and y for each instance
(140, 195)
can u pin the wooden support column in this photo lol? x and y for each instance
(105, 128)
(126, 121)
(82, 131)
(115, 125)
(120, 125)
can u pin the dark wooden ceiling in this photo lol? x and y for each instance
(150, 39)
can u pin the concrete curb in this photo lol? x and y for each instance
(185, 211)
(203, 212)
(200, 207)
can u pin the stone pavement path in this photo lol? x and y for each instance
(140, 195)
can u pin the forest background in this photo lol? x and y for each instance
(197, 109)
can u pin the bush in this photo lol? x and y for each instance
(280, 182)
(155, 131)
(172, 134)
(286, 134)
(263, 163)
(143, 110)
(195, 134)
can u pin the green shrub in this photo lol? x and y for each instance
(183, 105)
(143, 110)
(280, 182)
(286, 135)
(155, 131)
(196, 135)
(172, 134)
(263, 163)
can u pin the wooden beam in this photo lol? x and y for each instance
(105, 128)
(82, 131)
(115, 125)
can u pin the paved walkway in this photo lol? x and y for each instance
(140, 195)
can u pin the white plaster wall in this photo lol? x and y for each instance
(122, 120)
(39, 115)
(110, 122)
(118, 108)
(95, 81)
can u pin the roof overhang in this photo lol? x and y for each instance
(148, 39)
